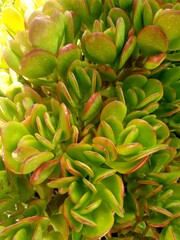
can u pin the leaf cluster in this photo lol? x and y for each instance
(89, 120)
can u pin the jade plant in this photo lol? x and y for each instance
(90, 120)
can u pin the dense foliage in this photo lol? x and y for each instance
(90, 120)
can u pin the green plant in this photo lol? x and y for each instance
(90, 120)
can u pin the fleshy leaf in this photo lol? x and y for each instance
(154, 61)
(100, 48)
(75, 151)
(129, 149)
(76, 191)
(94, 158)
(108, 144)
(86, 219)
(147, 140)
(116, 108)
(60, 225)
(48, 38)
(43, 172)
(152, 40)
(34, 161)
(66, 56)
(169, 22)
(64, 122)
(62, 182)
(72, 222)
(12, 132)
(103, 226)
(93, 106)
(11, 59)
(43, 61)
(24, 223)
(127, 50)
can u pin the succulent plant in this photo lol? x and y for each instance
(90, 120)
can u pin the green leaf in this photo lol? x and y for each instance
(34, 161)
(72, 222)
(43, 172)
(60, 225)
(41, 60)
(120, 34)
(92, 107)
(62, 182)
(21, 234)
(108, 144)
(152, 40)
(154, 61)
(86, 219)
(116, 109)
(48, 38)
(100, 48)
(103, 226)
(94, 158)
(129, 149)
(12, 132)
(76, 151)
(169, 21)
(147, 135)
(127, 50)
(76, 191)
(29, 222)
(64, 122)
(168, 233)
(137, 15)
(12, 60)
(105, 130)
(66, 56)
(116, 13)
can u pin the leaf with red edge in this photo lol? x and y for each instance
(127, 50)
(94, 158)
(72, 222)
(148, 139)
(62, 182)
(108, 144)
(127, 167)
(30, 222)
(48, 38)
(169, 21)
(129, 149)
(102, 173)
(43, 172)
(41, 60)
(33, 161)
(66, 56)
(100, 48)
(92, 107)
(154, 61)
(116, 108)
(64, 122)
(158, 220)
(161, 210)
(103, 226)
(152, 40)
(86, 219)
(75, 151)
